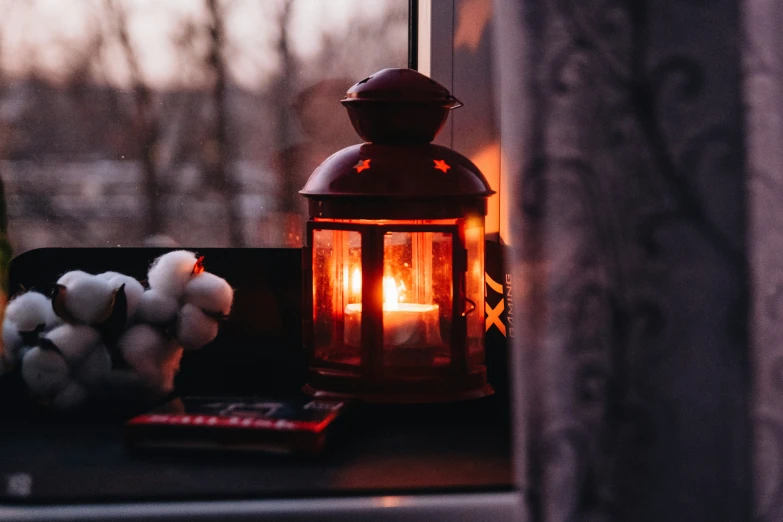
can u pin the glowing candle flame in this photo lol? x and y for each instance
(356, 283)
(393, 292)
(390, 296)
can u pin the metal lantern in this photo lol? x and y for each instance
(395, 253)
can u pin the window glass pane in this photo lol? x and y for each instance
(337, 292)
(417, 298)
(475, 289)
(171, 122)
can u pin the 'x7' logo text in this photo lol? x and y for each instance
(493, 313)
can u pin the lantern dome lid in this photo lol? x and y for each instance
(400, 85)
(420, 171)
(398, 174)
(398, 106)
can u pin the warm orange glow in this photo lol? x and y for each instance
(473, 19)
(488, 160)
(390, 502)
(441, 165)
(198, 267)
(389, 221)
(356, 283)
(362, 165)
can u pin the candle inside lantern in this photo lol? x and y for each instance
(412, 330)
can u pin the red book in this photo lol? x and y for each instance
(215, 423)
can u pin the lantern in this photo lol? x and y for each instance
(395, 253)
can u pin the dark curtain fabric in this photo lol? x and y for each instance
(645, 142)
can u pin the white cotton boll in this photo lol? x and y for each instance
(12, 341)
(73, 276)
(144, 349)
(11, 337)
(71, 397)
(133, 289)
(44, 372)
(171, 272)
(53, 321)
(169, 369)
(109, 275)
(95, 368)
(194, 328)
(22, 352)
(30, 310)
(210, 293)
(155, 307)
(89, 299)
(74, 341)
(131, 386)
(153, 358)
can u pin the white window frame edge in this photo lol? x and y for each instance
(435, 58)
(432, 48)
(424, 36)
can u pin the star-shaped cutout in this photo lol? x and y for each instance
(362, 165)
(442, 165)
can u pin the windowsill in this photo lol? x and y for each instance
(404, 450)
(389, 451)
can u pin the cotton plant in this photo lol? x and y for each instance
(27, 317)
(108, 333)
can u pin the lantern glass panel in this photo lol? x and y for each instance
(337, 283)
(474, 288)
(417, 298)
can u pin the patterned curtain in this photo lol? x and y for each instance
(646, 143)
(762, 76)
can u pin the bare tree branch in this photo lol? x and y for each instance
(146, 124)
(5, 138)
(289, 204)
(220, 167)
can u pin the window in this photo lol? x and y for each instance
(171, 123)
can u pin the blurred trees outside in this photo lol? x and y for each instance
(141, 122)
(5, 245)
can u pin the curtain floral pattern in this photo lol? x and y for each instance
(648, 152)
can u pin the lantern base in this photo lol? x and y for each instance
(336, 385)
